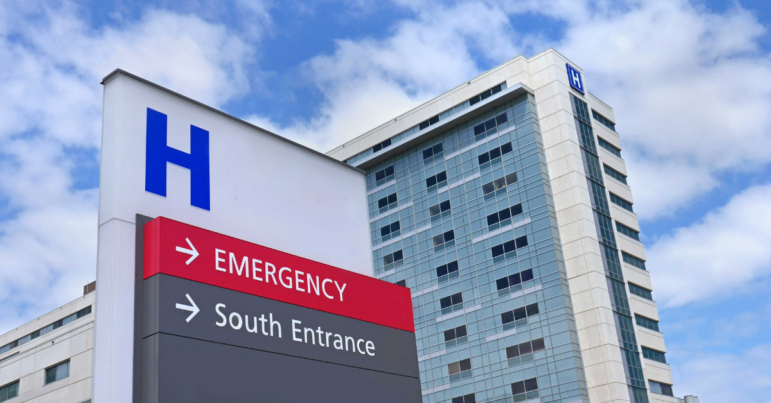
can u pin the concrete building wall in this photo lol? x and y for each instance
(27, 363)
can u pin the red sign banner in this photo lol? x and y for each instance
(185, 251)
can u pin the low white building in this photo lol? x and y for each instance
(50, 358)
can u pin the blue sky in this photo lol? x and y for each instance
(690, 83)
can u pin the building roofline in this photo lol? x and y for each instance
(502, 97)
(80, 298)
(117, 72)
(478, 76)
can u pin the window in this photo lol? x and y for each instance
(486, 94)
(456, 333)
(661, 388)
(525, 348)
(470, 398)
(615, 174)
(634, 261)
(439, 178)
(605, 121)
(441, 239)
(392, 258)
(654, 355)
(519, 313)
(504, 214)
(509, 246)
(439, 208)
(610, 147)
(454, 299)
(9, 391)
(53, 326)
(642, 321)
(381, 146)
(402, 283)
(621, 202)
(386, 201)
(494, 153)
(392, 228)
(640, 292)
(628, 231)
(446, 269)
(490, 124)
(514, 279)
(499, 183)
(431, 151)
(429, 122)
(384, 174)
(58, 372)
(518, 388)
(459, 366)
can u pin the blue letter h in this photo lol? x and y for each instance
(158, 154)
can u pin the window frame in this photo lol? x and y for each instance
(57, 367)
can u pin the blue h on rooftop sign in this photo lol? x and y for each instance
(574, 77)
(158, 154)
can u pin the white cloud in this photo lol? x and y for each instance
(691, 88)
(691, 91)
(722, 378)
(51, 63)
(366, 82)
(724, 251)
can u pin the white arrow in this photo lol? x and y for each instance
(192, 252)
(194, 309)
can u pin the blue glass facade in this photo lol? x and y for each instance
(466, 221)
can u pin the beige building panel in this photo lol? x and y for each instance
(565, 165)
(630, 246)
(595, 317)
(577, 230)
(651, 339)
(598, 355)
(643, 307)
(583, 264)
(594, 298)
(621, 190)
(445, 102)
(496, 76)
(576, 212)
(560, 119)
(601, 107)
(562, 150)
(587, 282)
(523, 78)
(658, 372)
(538, 63)
(570, 198)
(640, 277)
(567, 182)
(603, 334)
(558, 134)
(612, 393)
(661, 398)
(516, 66)
(613, 162)
(608, 135)
(583, 246)
(624, 216)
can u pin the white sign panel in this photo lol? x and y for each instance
(166, 155)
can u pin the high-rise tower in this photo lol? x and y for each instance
(503, 205)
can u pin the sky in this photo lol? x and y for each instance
(690, 83)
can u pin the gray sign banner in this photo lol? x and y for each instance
(253, 325)
(197, 371)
